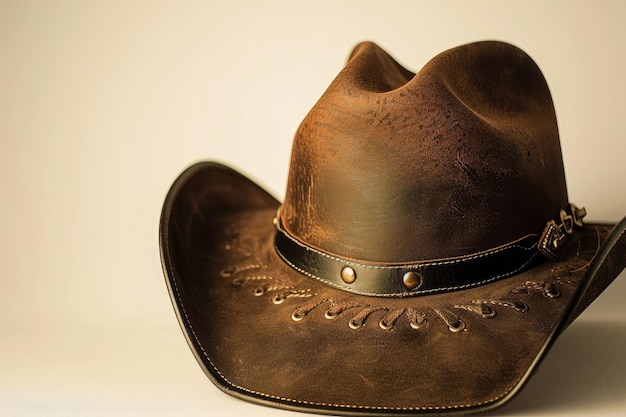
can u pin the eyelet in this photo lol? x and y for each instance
(329, 314)
(521, 307)
(456, 327)
(551, 291)
(354, 324)
(384, 325)
(259, 292)
(488, 312)
(297, 315)
(238, 280)
(417, 325)
(278, 299)
(228, 271)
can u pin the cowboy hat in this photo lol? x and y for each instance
(423, 260)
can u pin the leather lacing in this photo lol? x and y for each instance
(231, 270)
(358, 320)
(265, 283)
(255, 272)
(388, 321)
(548, 289)
(360, 313)
(453, 321)
(416, 320)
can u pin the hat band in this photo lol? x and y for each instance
(407, 279)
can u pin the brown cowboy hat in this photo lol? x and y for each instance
(425, 257)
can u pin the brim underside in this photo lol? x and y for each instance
(266, 333)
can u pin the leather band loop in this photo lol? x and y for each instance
(407, 279)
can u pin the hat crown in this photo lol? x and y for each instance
(391, 166)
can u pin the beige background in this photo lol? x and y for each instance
(102, 104)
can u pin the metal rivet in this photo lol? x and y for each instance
(411, 280)
(348, 275)
(487, 312)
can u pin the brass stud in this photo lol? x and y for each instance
(411, 280)
(348, 275)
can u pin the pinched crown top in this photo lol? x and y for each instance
(391, 166)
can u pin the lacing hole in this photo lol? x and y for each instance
(297, 316)
(278, 299)
(329, 314)
(384, 325)
(417, 321)
(228, 271)
(354, 324)
(416, 325)
(551, 291)
(456, 327)
(238, 281)
(488, 312)
(521, 307)
(259, 291)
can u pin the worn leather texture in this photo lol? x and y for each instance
(388, 280)
(462, 157)
(267, 334)
(388, 167)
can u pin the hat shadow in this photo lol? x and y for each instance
(584, 371)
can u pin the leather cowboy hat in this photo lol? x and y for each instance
(423, 260)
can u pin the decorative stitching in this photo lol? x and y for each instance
(401, 294)
(314, 403)
(408, 265)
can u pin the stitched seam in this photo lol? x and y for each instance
(314, 403)
(413, 293)
(184, 310)
(294, 401)
(409, 264)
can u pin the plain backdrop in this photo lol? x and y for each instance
(103, 104)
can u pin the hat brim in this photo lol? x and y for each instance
(263, 332)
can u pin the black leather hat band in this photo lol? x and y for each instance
(407, 279)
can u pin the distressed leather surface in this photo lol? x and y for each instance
(389, 166)
(235, 300)
(394, 167)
